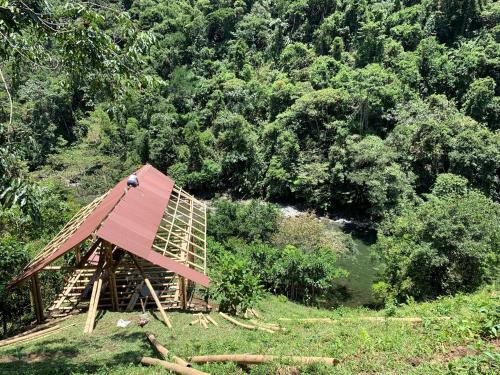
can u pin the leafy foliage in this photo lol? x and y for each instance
(308, 233)
(446, 245)
(235, 286)
(364, 107)
(254, 220)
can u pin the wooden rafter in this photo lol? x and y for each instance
(69, 229)
(182, 232)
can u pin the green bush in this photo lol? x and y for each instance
(234, 286)
(490, 319)
(308, 233)
(304, 276)
(13, 304)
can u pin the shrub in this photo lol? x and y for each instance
(235, 286)
(380, 292)
(490, 319)
(12, 304)
(297, 274)
(309, 234)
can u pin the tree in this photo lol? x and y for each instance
(375, 181)
(457, 17)
(480, 102)
(446, 245)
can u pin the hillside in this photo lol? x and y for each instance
(384, 113)
(362, 346)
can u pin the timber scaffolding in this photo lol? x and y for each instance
(143, 245)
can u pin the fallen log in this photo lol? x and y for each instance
(164, 351)
(248, 359)
(178, 369)
(243, 325)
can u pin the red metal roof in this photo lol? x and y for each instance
(129, 220)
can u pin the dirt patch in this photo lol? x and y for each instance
(288, 370)
(33, 357)
(461, 351)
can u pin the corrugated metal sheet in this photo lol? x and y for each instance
(129, 220)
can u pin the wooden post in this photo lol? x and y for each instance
(153, 294)
(37, 298)
(94, 302)
(78, 255)
(183, 292)
(111, 276)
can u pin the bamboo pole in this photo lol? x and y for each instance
(309, 320)
(36, 329)
(178, 369)
(94, 302)
(158, 303)
(159, 348)
(257, 359)
(111, 276)
(42, 336)
(212, 320)
(243, 325)
(153, 294)
(377, 319)
(28, 336)
(164, 351)
(91, 304)
(37, 298)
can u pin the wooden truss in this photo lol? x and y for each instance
(108, 277)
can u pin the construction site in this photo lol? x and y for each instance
(132, 248)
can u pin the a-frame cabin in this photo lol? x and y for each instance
(132, 242)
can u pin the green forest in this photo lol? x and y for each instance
(386, 112)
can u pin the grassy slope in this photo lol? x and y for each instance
(361, 346)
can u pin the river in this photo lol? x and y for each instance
(362, 266)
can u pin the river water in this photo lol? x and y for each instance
(361, 265)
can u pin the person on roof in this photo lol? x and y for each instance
(133, 180)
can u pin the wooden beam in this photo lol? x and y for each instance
(37, 298)
(153, 294)
(94, 301)
(135, 296)
(108, 248)
(183, 292)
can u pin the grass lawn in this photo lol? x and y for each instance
(361, 346)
